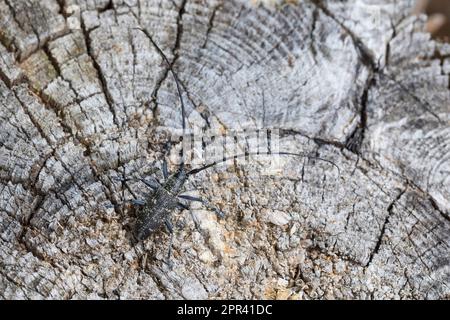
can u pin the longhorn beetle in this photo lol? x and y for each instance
(155, 211)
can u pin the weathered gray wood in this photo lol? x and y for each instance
(85, 97)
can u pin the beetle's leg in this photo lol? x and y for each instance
(110, 205)
(169, 227)
(219, 213)
(123, 179)
(152, 184)
(182, 205)
(165, 172)
(136, 202)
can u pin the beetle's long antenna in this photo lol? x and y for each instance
(212, 164)
(183, 109)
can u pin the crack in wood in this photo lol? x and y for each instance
(383, 227)
(101, 77)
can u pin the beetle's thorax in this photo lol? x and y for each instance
(176, 181)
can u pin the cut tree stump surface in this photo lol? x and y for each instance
(85, 97)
